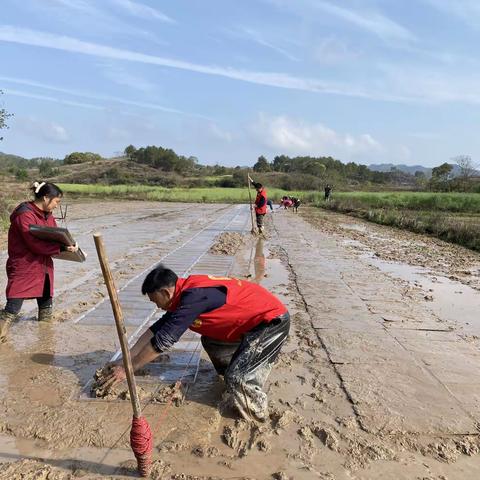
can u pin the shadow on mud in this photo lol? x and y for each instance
(82, 365)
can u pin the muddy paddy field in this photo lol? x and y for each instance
(378, 380)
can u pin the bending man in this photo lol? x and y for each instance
(243, 327)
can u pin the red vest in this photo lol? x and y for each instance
(261, 194)
(247, 305)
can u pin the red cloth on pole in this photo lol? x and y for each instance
(141, 438)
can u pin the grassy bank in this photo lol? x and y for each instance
(161, 194)
(426, 201)
(454, 217)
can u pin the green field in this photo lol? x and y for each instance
(203, 195)
(426, 201)
(454, 217)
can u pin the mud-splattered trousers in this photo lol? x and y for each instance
(260, 220)
(245, 365)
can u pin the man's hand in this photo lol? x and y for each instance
(114, 373)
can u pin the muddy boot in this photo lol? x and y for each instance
(6, 319)
(45, 314)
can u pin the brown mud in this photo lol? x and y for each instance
(153, 393)
(372, 383)
(227, 243)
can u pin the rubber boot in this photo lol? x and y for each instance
(45, 314)
(6, 320)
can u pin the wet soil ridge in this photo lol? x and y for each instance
(227, 243)
(294, 277)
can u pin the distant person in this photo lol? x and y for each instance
(270, 204)
(29, 263)
(260, 205)
(328, 192)
(286, 202)
(295, 204)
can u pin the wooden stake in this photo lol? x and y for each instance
(250, 197)
(118, 315)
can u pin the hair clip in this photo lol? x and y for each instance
(38, 186)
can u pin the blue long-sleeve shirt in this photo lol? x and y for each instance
(172, 325)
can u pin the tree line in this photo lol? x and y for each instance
(289, 173)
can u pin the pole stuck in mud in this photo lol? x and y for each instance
(250, 197)
(141, 439)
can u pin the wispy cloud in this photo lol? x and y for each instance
(142, 11)
(258, 38)
(367, 20)
(121, 76)
(219, 133)
(372, 22)
(397, 83)
(331, 50)
(43, 129)
(285, 134)
(103, 98)
(280, 80)
(48, 98)
(466, 10)
(428, 85)
(79, 14)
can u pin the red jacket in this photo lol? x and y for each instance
(263, 209)
(247, 305)
(29, 258)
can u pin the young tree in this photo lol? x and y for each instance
(467, 169)
(262, 165)
(130, 151)
(3, 117)
(441, 176)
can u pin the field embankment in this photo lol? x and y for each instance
(453, 217)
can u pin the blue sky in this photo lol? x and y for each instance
(369, 81)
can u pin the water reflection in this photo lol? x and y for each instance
(259, 261)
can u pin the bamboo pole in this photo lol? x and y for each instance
(118, 315)
(250, 197)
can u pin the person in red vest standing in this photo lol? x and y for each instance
(30, 265)
(242, 326)
(260, 205)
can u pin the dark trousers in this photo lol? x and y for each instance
(14, 305)
(245, 365)
(260, 219)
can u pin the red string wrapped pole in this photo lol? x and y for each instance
(141, 439)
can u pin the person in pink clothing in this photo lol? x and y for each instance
(286, 202)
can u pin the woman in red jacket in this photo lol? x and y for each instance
(30, 264)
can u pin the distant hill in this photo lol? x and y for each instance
(411, 169)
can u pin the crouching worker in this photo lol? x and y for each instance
(242, 327)
(30, 264)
